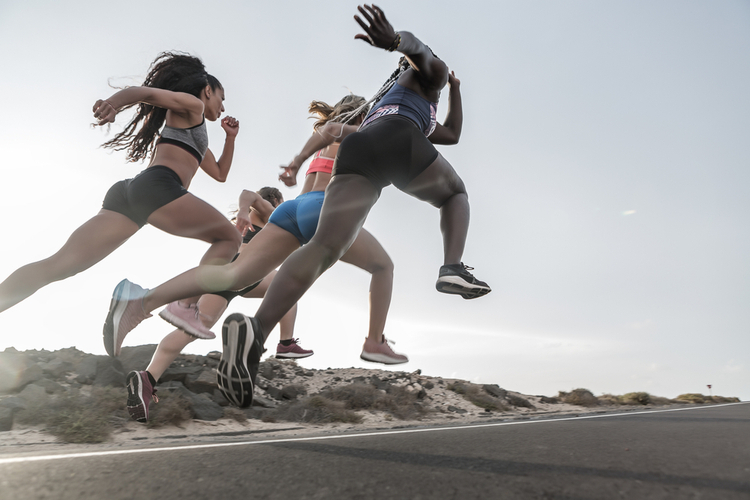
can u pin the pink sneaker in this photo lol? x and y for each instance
(186, 319)
(292, 351)
(381, 352)
(125, 313)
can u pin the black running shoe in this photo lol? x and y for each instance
(232, 374)
(456, 279)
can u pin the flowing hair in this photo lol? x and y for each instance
(175, 71)
(327, 113)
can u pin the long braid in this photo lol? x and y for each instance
(173, 71)
(403, 65)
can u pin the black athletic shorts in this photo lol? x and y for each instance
(139, 197)
(390, 150)
(231, 294)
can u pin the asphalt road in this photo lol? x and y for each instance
(689, 453)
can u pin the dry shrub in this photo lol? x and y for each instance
(317, 410)
(579, 397)
(636, 398)
(692, 398)
(722, 399)
(235, 414)
(172, 409)
(477, 396)
(398, 401)
(609, 399)
(74, 417)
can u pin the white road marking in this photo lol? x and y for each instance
(67, 456)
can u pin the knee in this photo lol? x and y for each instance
(382, 267)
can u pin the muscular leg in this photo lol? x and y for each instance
(259, 257)
(90, 243)
(286, 325)
(367, 253)
(348, 200)
(440, 186)
(191, 217)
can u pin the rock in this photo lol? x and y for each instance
(547, 400)
(86, 370)
(263, 402)
(215, 355)
(274, 392)
(17, 370)
(290, 392)
(56, 368)
(266, 369)
(136, 357)
(179, 373)
(6, 419)
(204, 381)
(203, 407)
(518, 401)
(50, 386)
(109, 372)
(34, 394)
(13, 402)
(219, 398)
(455, 409)
(495, 390)
(428, 385)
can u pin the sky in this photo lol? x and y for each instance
(604, 151)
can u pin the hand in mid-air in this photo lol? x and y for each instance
(243, 223)
(104, 112)
(231, 125)
(380, 33)
(289, 174)
(453, 81)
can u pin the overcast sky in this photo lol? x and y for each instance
(605, 151)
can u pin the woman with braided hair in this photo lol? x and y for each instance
(179, 94)
(291, 225)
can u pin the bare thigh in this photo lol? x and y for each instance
(190, 217)
(262, 254)
(367, 253)
(436, 184)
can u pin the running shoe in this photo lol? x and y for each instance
(140, 394)
(125, 313)
(240, 358)
(456, 279)
(187, 319)
(381, 352)
(292, 351)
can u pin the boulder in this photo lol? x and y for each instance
(203, 381)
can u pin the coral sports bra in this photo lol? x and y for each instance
(320, 164)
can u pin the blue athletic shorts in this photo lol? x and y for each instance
(300, 215)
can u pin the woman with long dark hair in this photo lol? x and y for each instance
(179, 95)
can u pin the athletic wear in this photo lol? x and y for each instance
(139, 197)
(239, 361)
(186, 319)
(390, 150)
(320, 164)
(292, 351)
(229, 295)
(381, 352)
(194, 140)
(403, 101)
(300, 215)
(125, 313)
(140, 394)
(456, 279)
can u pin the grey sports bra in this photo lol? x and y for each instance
(194, 140)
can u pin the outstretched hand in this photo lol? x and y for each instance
(104, 112)
(380, 33)
(453, 81)
(231, 125)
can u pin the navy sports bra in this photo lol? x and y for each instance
(194, 140)
(402, 101)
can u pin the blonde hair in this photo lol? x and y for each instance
(342, 109)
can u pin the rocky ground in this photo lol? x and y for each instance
(34, 379)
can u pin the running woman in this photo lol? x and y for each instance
(179, 94)
(393, 146)
(292, 225)
(255, 208)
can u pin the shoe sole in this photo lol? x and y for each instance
(458, 286)
(232, 374)
(184, 325)
(293, 355)
(381, 358)
(137, 407)
(117, 307)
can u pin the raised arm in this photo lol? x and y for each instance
(181, 103)
(219, 169)
(431, 72)
(323, 137)
(252, 200)
(450, 131)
